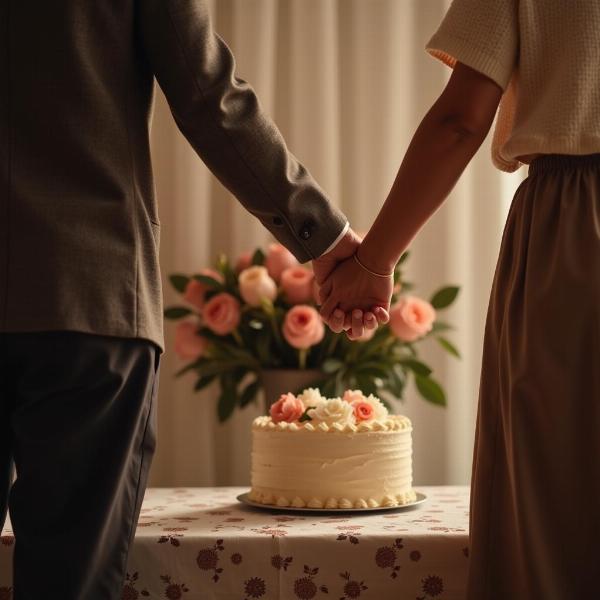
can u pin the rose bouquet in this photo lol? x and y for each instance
(237, 321)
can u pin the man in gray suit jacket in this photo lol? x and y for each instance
(81, 312)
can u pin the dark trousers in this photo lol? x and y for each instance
(78, 417)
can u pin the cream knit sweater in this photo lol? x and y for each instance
(545, 55)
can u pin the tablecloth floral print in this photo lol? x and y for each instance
(201, 543)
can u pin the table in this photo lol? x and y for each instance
(201, 543)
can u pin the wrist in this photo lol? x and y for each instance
(377, 264)
(345, 247)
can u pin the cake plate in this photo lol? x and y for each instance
(243, 498)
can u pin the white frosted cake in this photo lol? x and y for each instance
(336, 453)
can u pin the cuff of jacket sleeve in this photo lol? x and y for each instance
(337, 239)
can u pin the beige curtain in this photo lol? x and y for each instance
(347, 82)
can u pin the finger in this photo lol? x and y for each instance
(324, 291)
(336, 323)
(357, 323)
(327, 308)
(370, 322)
(381, 314)
(347, 321)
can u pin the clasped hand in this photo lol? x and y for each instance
(351, 298)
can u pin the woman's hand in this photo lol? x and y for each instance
(350, 291)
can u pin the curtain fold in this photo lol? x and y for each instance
(347, 82)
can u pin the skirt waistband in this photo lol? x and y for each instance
(558, 162)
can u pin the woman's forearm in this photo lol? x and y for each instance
(440, 150)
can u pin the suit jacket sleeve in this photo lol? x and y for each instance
(221, 117)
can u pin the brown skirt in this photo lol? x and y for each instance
(535, 496)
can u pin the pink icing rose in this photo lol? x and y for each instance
(303, 327)
(255, 283)
(363, 411)
(188, 344)
(196, 290)
(222, 313)
(287, 408)
(243, 262)
(297, 284)
(411, 318)
(278, 259)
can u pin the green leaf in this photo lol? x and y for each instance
(227, 399)
(328, 387)
(258, 258)
(331, 365)
(220, 367)
(416, 366)
(249, 393)
(448, 346)
(430, 390)
(396, 382)
(176, 312)
(403, 257)
(211, 282)
(366, 384)
(440, 326)
(373, 369)
(179, 282)
(229, 274)
(304, 416)
(203, 382)
(444, 297)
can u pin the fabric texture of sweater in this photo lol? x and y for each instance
(545, 57)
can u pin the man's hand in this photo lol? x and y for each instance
(349, 293)
(345, 248)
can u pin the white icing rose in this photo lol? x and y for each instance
(310, 396)
(332, 410)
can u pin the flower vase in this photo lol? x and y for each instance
(280, 381)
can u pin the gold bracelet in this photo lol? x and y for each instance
(369, 270)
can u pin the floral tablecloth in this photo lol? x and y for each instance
(201, 544)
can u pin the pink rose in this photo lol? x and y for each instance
(297, 284)
(278, 259)
(188, 344)
(363, 411)
(243, 262)
(255, 283)
(287, 408)
(222, 313)
(303, 327)
(411, 318)
(196, 290)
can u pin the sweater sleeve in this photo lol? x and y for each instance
(482, 34)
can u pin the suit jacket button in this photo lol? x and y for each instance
(305, 234)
